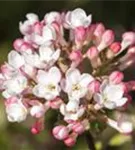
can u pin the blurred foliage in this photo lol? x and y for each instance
(118, 15)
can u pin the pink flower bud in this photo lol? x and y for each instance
(92, 53)
(37, 28)
(90, 30)
(100, 29)
(116, 77)
(76, 55)
(70, 141)
(17, 44)
(129, 37)
(60, 132)
(37, 127)
(115, 47)
(78, 128)
(34, 130)
(94, 86)
(25, 46)
(107, 39)
(80, 34)
(55, 104)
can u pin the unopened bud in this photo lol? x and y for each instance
(107, 39)
(128, 39)
(115, 47)
(116, 77)
(70, 141)
(60, 132)
(17, 44)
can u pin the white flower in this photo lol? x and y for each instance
(77, 18)
(110, 96)
(76, 84)
(48, 84)
(16, 112)
(49, 55)
(52, 17)
(72, 111)
(15, 59)
(45, 59)
(33, 59)
(14, 86)
(26, 26)
(48, 35)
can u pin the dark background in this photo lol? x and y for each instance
(118, 15)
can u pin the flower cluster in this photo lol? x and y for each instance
(65, 62)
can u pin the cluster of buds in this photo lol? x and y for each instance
(68, 64)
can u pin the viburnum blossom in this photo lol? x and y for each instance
(110, 96)
(48, 84)
(66, 63)
(76, 84)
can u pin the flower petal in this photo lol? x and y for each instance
(54, 75)
(39, 91)
(42, 77)
(45, 53)
(49, 33)
(73, 75)
(85, 79)
(15, 59)
(113, 92)
(121, 102)
(109, 104)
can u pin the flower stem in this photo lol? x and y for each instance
(90, 141)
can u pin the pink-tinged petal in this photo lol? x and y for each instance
(54, 75)
(85, 79)
(73, 76)
(121, 102)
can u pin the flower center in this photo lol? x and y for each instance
(76, 87)
(51, 87)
